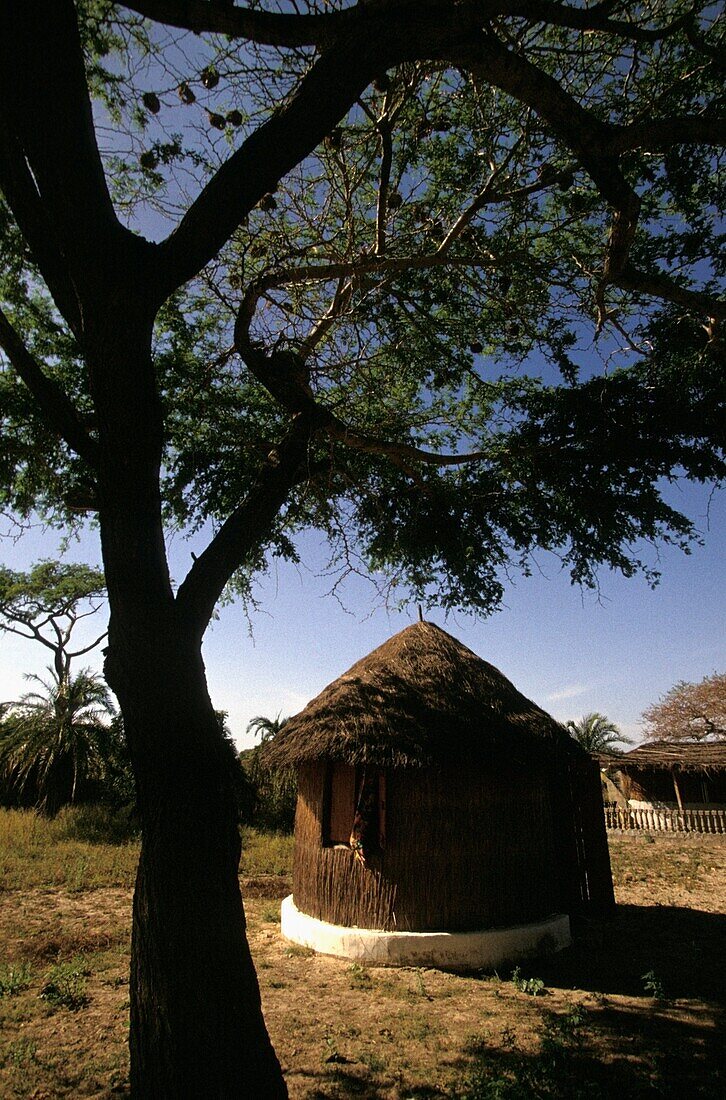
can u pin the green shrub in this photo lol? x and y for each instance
(97, 824)
(269, 796)
(265, 853)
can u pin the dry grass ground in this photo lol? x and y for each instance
(633, 1009)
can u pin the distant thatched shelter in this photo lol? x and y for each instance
(435, 800)
(670, 774)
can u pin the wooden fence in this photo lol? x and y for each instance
(666, 821)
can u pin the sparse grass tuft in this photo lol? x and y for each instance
(299, 951)
(556, 1071)
(14, 979)
(359, 977)
(65, 986)
(19, 1053)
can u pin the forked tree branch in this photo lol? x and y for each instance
(45, 104)
(333, 84)
(244, 530)
(18, 187)
(320, 29)
(285, 377)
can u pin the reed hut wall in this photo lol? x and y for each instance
(465, 849)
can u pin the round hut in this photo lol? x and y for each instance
(442, 817)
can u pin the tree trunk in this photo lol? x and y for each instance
(196, 1020)
(197, 1029)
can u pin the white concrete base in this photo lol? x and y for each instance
(449, 950)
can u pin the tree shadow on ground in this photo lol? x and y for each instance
(682, 948)
(350, 1083)
(652, 1046)
(656, 1045)
(672, 1060)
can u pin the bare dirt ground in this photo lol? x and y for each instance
(635, 1008)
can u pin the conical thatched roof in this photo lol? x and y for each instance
(420, 698)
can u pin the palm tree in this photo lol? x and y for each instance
(54, 742)
(596, 733)
(266, 728)
(273, 792)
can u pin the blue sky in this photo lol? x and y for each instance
(571, 652)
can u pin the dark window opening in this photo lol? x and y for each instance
(355, 809)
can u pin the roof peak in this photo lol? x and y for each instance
(419, 696)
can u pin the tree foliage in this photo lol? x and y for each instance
(271, 796)
(596, 733)
(57, 745)
(46, 605)
(689, 712)
(480, 309)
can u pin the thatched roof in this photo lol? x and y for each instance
(684, 755)
(421, 697)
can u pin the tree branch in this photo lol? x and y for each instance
(660, 134)
(244, 531)
(657, 285)
(264, 27)
(591, 19)
(18, 187)
(284, 376)
(332, 85)
(45, 105)
(88, 648)
(334, 82)
(384, 180)
(578, 128)
(275, 29)
(34, 635)
(54, 403)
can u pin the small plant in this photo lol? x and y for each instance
(531, 986)
(420, 987)
(509, 1038)
(66, 985)
(299, 951)
(332, 1055)
(653, 986)
(359, 977)
(557, 1071)
(565, 1029)
(14, 979)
